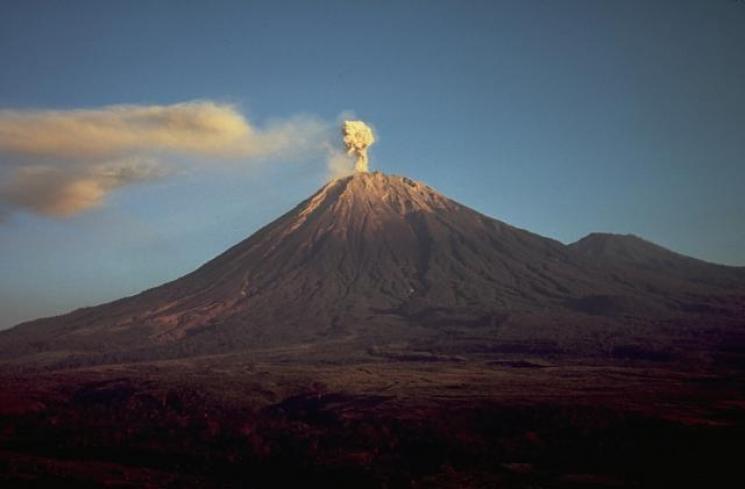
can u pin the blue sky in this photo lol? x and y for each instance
(561, 117)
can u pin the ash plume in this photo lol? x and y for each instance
(358, 136)
(60, 163)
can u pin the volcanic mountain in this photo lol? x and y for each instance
(373, 260)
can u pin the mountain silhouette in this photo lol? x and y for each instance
(372, 260)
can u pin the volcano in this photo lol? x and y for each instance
(373, 260)
(382, 335)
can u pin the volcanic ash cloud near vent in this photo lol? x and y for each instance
(358, 136)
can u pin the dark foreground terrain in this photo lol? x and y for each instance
(413, 419)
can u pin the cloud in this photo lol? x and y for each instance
(358, 136)
(62, 162)
(339, 164)
(203, 127)
(66, 191)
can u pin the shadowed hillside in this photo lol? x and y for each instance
(371, 260)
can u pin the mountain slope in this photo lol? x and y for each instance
(375, 258)
(630, 251)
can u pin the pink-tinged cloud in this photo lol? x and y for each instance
(63, 191)
(60, 163)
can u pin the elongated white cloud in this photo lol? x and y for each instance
(62, 162)
(203, 127)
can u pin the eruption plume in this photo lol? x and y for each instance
(357, 137)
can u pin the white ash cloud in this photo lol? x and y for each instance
(357, 137)
(62, 162)
(338, 163)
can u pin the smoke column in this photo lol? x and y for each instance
(358, 136)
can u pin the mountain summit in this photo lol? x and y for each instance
(373, 259)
